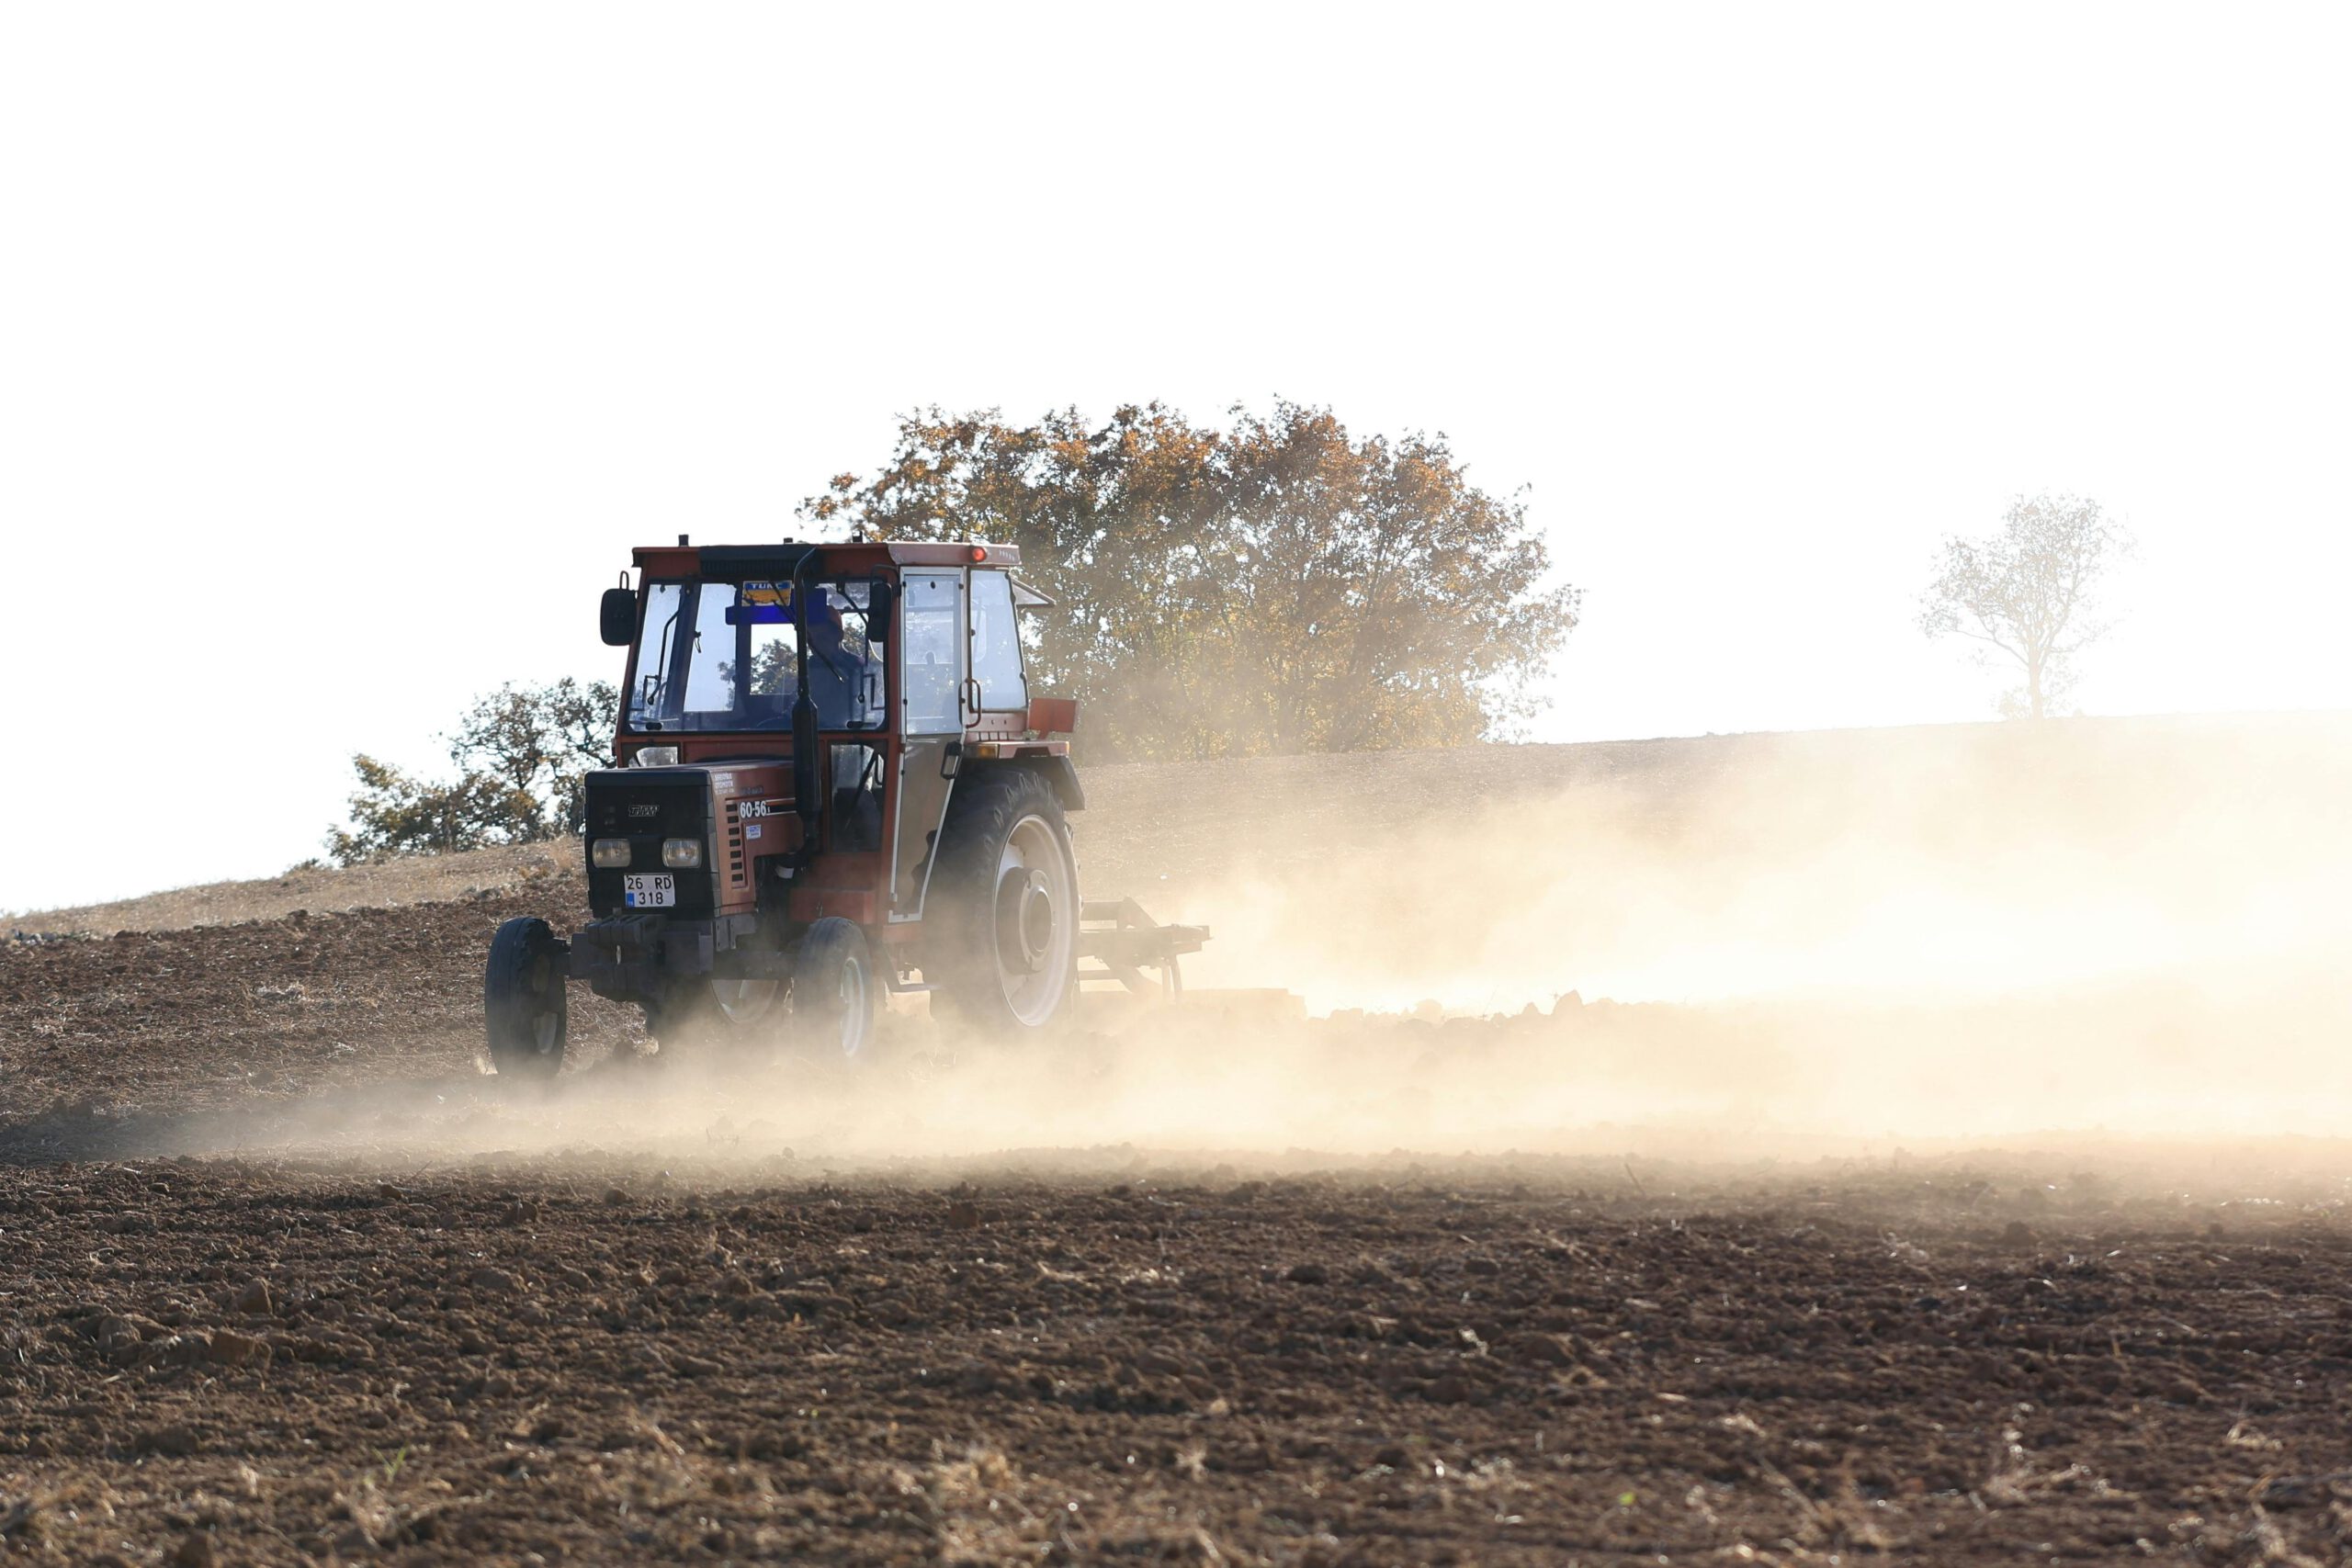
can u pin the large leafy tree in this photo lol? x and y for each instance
(523, 755)
(1275, 586)
(393, 813)
(2027, 596)
(541, 741)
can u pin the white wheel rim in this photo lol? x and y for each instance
(1036, 994)
(853, 1005)
(744, 1002)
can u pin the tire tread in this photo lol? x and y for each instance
(960, 907)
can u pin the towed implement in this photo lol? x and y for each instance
(832, 781)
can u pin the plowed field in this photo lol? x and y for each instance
(583, 1362)
(284, 1278)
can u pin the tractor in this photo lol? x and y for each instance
(831, 781)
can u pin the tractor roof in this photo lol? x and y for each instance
(780, 559)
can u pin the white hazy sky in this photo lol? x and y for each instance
(345, 351)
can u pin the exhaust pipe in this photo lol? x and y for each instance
(804, 718)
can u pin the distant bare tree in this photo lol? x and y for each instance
(2030, 591)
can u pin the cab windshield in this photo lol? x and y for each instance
(725, 656)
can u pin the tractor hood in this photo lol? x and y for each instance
(736, 816)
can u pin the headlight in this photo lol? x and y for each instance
(677, 853)
(654, 757)
(608, 854)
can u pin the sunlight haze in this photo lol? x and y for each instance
(344, 353)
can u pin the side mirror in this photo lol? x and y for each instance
(882, 599)
(617, 617)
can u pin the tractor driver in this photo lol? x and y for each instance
(841, 677)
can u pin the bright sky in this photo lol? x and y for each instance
(345, 351)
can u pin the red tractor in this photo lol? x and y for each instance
(831, 780)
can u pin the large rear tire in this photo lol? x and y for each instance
(523, 1009)
(1001, 938)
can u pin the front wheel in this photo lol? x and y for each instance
(836, 998)
(522, 1003)
(1001, 919)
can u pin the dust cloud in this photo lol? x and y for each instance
(1753, 947)
(2134, 924)
(1947, 865)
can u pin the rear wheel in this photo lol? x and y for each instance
(744, 1002)
(736, 1013)
(836, 997)
(1002, 913)
(522, 1003)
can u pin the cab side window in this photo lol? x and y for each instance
(996, 643)
(930, 673)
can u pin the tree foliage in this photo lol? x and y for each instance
(523, 755)
(1277, 586)
(395, 814)
(542, 742)
(2030, 592)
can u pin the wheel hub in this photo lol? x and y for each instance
(1024, 920)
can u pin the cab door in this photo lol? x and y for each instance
(933, 669)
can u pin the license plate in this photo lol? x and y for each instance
(649, 892)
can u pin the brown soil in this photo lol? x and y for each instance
(599, 1362)
(284, 1278)
(726, 1352)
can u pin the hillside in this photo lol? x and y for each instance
(2137, 919)
(1192, 825)
(411, 879)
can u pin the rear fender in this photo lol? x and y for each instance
(1061, 775)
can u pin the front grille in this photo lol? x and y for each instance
(646, 805)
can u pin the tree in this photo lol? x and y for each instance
(393, 813)
(523, 755)
(2030, 592)
(1275, 587)
(542, 742)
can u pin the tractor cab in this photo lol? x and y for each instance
(918, 638)
(843, 688)
(832, 779)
